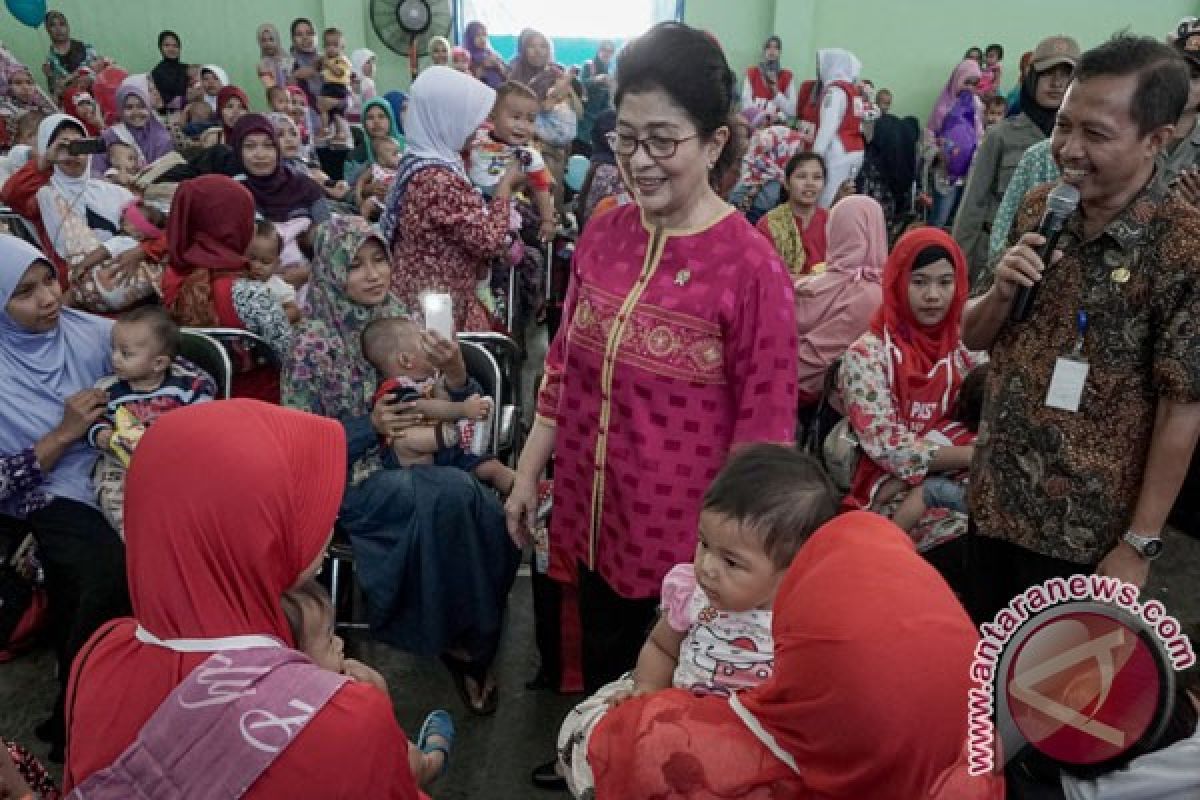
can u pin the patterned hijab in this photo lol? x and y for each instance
(335, 322)
(542, 78)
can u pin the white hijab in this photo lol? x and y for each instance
(359, 58)
(218, 71)
(445, 107)
(81, 194)
(835, 64)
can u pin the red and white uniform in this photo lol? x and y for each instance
(839, 137)
(758, 93)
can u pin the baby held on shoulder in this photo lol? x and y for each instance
(714, 635)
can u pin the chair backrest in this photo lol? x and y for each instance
(494, 360)
(247, 352)
(208, 354)
(483, 368)
(19, 226)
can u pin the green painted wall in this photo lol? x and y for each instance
(908, 45)
(911, 46)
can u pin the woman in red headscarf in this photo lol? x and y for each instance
(207, 577)
(900, 384)
(868, 697)
(232, 104)
(206, 283)
(78, 103)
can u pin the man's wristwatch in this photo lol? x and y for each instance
(1148, 547)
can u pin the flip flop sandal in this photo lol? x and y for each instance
(439, 723)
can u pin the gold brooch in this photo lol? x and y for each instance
(1119, 275)
(682, 277)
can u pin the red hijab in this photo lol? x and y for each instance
(224, 95)
(70, 104)
(917, 352)
(868, 696)
(210, 227)
(226, 505)
(922, 367)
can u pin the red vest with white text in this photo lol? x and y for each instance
(762, 90)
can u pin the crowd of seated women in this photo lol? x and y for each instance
(694, 337)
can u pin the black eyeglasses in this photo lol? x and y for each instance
(660, 147)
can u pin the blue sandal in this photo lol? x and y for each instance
(439, 723)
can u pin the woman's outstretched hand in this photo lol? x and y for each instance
(520, 510)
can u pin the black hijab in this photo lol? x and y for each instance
(1040, 115)
(170, 76)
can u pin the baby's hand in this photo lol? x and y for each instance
(103, 438)
(477, 407)
(363, 674)
(621, 695)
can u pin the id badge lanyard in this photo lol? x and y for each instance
(1070, 372)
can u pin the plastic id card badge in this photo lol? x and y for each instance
(1066, 385)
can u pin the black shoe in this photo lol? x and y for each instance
(545, 776)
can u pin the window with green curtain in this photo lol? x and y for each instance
(574, 28)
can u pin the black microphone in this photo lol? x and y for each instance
(1060, 205)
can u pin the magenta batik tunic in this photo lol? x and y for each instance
(677, 346)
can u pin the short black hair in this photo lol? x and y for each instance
(973, 50)
(997, 49)
(165, 330)
(267, 229)
(384, 336)
(773, 40)
(690, 67)
(997, 100)
(164, 35)
(298, 21)
(513, 89)
(1162, 77)
(778, 493)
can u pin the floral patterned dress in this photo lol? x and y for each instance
(870, 406)
(447, 232)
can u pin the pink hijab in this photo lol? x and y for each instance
(834, 308)
(957, 82)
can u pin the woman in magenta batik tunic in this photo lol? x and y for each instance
(678, 345)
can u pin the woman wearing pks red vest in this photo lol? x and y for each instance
(839, 135)
(768, 86)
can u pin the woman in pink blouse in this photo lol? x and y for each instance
(439, 228)
(678, 345)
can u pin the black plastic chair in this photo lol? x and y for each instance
(207, 353)
(491, 359)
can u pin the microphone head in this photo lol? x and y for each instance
(1063, 200)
